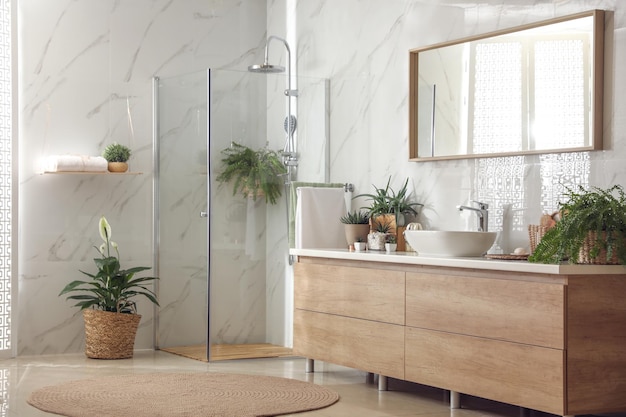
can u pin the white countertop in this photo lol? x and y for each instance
(413, 258)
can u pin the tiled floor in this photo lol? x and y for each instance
(359, 398)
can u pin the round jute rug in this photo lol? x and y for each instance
(182, 394)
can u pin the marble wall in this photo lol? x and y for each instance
(85, 75)
(366, 61)
(85, 80)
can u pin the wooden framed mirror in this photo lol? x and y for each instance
(531, 89)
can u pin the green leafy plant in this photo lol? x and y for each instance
(600, 211)
(386, 200)
(111, 288)
(355, 217)
(391, 238)
(116, 153)
(252, 171)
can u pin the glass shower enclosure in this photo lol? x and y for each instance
(222, 259)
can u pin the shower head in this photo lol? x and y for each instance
(266, 68)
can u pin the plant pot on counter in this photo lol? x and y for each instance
(376, 241)
(356, 232)
(360, 246)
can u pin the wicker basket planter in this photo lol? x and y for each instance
(109, 335)
(535, 233)
(584, 256)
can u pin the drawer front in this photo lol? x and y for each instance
(361, 344)
(354, 292)
(518, 374)
(510, 310)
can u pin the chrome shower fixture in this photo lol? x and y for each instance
(290, 158)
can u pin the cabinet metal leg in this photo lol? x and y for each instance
(382, 383)
(455, 400)
(310, 365)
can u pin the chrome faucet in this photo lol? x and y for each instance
(482, 212)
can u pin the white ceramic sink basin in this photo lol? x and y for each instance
(449, 243)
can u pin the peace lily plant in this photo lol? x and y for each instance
(111, 288)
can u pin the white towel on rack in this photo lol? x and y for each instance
(317, 218)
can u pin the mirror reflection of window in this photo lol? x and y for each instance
(496, 108)
(562, 109)
(529, 94)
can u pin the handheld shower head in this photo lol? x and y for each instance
(290, 124)
(266, 68)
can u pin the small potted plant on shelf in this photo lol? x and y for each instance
(356, 225)
(106, 300)
(253, 173)
(117, 156)
(591, 229)
(390, 243)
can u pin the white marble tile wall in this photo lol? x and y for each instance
(85, 71)
(366, 61)
(84, 66)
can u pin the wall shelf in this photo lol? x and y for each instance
(90, 173)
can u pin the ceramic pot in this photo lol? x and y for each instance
(360, 246)
(118, 167)
(376, 241)
(391, 247)
(356, 231)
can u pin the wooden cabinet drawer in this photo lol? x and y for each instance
(362, 344)
(529, 376)
(511, 310)
(354, 292)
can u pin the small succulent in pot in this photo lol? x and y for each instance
(355, 217)
(117, 156)
(356, 226)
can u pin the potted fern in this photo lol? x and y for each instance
(356, 225)
(107, 301)
(117, 156)
(253, 173)
(591, 229)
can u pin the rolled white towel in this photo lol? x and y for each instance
(60, 163)
(76, 163)
(95, 164)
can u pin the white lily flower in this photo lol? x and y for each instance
(105, 229)
(114, 245)
(102, 248)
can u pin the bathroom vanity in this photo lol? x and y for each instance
(545, 337)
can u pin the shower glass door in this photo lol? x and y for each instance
(225, 278)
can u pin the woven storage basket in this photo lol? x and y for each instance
(109, 335)
(584, 253)
(535, 233)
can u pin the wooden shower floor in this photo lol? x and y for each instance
(229, 352)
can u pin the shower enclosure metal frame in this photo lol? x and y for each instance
(314, 134)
